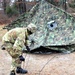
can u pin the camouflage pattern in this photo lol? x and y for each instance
(61, 37)
(14, 41)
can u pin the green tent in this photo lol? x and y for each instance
(56, 28)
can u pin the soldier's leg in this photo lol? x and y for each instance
(6, 45)
(17, 59)
(9, 48)
(17, 55)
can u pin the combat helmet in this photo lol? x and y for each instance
(32, 27)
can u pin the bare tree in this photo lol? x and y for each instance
(22, 6)
(4, 5)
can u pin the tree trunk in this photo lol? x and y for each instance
(22, 6)
(4, 5)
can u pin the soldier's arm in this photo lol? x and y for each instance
(26, 43)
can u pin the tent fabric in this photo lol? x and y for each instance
(59, 33)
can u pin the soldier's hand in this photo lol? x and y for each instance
(3, 48)
(27, 47)
(21, 58)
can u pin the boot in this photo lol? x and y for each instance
(12, 73)
(21, 58)
(21, 71)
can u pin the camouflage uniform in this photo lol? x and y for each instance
(14, 40)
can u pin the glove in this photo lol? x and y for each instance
(21, 58)
(3, 48)
(28, 48)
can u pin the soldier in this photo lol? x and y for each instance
(13, 41)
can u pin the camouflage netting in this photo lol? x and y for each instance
(55, 36)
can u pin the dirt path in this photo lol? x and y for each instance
(37, 64)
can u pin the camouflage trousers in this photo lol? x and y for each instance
(14, 53)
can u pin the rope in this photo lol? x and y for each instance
(46, 64)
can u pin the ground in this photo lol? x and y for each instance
(39, 64)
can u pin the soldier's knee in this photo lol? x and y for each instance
(16, 53)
